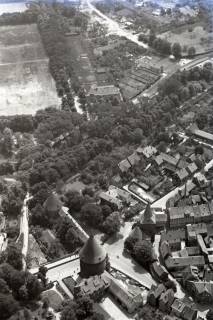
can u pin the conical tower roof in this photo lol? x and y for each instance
(148, 216)
(92, 252)
(52, 203)
(136, 233)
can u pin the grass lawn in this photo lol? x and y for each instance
(198, 38)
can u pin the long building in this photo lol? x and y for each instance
(178, 217)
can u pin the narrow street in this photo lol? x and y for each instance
(24, 229)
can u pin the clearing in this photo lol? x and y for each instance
(197, 37)
(25, 84)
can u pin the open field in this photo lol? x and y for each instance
(198, 38)
(25, 84)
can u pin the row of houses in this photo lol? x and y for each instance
(132, 160)
(164, 299)
(178, 168)
(178, 217)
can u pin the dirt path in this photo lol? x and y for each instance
(23, 62)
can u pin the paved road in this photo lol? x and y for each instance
(123, 262)
(150, 92)
(114, 26)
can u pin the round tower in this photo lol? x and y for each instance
(92, 259)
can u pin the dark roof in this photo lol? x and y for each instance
(136, 233)
(148, 216)
(157, 290)
(92, 284)
(92, 252)
(159, 269)
(52, 203)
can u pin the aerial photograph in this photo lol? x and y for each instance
(106, 159)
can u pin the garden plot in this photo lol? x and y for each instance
(25, 83)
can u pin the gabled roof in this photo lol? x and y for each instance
(136, 233)
(124, 165)
(157, 290)
(182, 174)
(92, 252)
(167, 297)
(133, 159)
(192, 167)
(52, 203)
(148, 216)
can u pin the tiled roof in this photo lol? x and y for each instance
(92, 252)
(179, 262)
(148, 216)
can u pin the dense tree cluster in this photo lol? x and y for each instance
(17, 287)
(186, 84)
(17, 123)
(141, 250)
(60, 66)
(17, 18)
(67, 235)
(80, 309)
(13, 200)
(52, 26)
(161, 45)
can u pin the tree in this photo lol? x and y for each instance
(176, 50)
(8, 306)
(112, 224)
(191, 52)
(74, 200)
(17, 280)
(4, 287)
(42, 274)
(143, 252)
(14, 256)
(96, 316)
(34, 287)
(85, 308)
(199, 149)
(132, 239)
(106, 210)
(23, 293)
(68, 313)
(169, 284)
(209, 315)
(92, 214)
